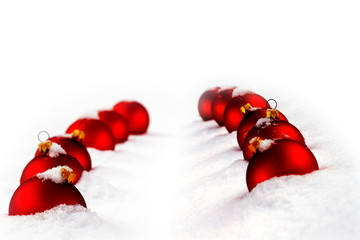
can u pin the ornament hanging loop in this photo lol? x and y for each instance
(271, 99)
(38, 136)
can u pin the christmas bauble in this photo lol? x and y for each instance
(38, 195)
(205, 102)
(219, 104)
(279, 158)
(73, 148)
(250, 120)
(96, 133)
(268, 128)
(239, 106)
(135, 114)
(44, 162)
(116, 123)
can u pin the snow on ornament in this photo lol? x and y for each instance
(268, 128)
(205, 103)
(53, 155)
(251, 118)
(117, 124)
(71, 145)
(44, 191)
(240, 104)
(219, 103)
(279, 158)
(94, 133)
(135, 114)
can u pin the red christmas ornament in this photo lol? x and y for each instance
(44, 162)
(37, 195)
(239, 106)
(268, 128)
(219, 104)
(250, 120)
(94, 133)
(73, 148)
(135, 114)
(116, 123)
(205, 103)
(283, 157)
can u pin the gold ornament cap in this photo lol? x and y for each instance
(67, 175)
(272, 113)
(254, 144)
(245, 108)
(78, 134)
(44, 146)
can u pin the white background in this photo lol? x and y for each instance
(61, 59)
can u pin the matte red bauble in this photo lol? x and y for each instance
(36, 195)
(219, 104)
(239, 106)
(73, 148)
(269, 129)
(96, 133)
(250, 120)
(42, 163)
(205, 102)
(116, 123)
(283, 157)
(135, 114)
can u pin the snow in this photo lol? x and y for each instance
(54, 174)
(185, 179)
(55, 150)
(265, 144)
(263, 122)
(240, 91)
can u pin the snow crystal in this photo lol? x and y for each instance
(225, 88)
(240, 91)
(54, 174)
(55, 150)
(265, 144)
(263, 122)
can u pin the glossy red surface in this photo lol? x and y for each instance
(136, 115)
(74, 149)
(97, 134)
(116, 123)
(205, 104)
(219, 104)
(36, 195)
(249, 121)
(233, 114)
(42, 163)
(285, 157)
(277, 130)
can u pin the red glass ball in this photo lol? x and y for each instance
(284, 157)
(272, 129)
(116, 123)
(97, 134)
(74, 149)
(233, 114)
(43, 162)
(135, 114)
(219, 104)
(205, 103)
(36, 195)
(249, 121)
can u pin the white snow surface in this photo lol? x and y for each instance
(265, 144)
(55, 150)
(185, 179)
(54, 174)
(240, 91)
(263, 122)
